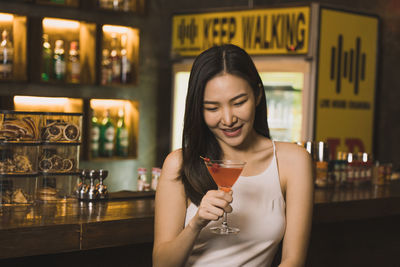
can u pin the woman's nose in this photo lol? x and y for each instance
(228, 118)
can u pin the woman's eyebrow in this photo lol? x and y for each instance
(233, 99)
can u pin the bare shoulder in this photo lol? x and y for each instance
(294, 163)
(172, 165)
(289, 152)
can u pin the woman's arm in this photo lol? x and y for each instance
(296, 170)
(173, 242)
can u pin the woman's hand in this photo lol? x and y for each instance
(212, 208)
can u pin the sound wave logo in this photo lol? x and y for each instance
(352, 68)
(188, 31)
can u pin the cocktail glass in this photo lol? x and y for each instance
(225, 173)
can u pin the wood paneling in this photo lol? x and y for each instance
(39, 240)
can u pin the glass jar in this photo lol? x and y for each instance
(57, 187)
(17, 190)
(61, 127)
(18, 158)
(19, 126)
(59, 158)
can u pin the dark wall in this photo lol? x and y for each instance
(387, 123)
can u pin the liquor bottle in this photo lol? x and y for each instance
(155, 175)
(94, 137)
(74, 66)
(107, 135)
(6, 56)
(106, 69)
(59, 61)
(115, 58)
(142, 184)
(46, 57)
(357, 179)
(122, 141)
(367, 167)
(322, 178)
(116, 4)
(125, 62)
(350, 169)
(126, 5)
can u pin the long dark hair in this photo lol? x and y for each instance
(197, 139)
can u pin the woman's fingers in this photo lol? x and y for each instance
(228, 209)
(213, 205)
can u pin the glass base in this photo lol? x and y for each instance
(221, 230)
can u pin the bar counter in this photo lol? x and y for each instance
(126, 220)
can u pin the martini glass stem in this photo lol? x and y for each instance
(225, 222)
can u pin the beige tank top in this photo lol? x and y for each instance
(259, 211)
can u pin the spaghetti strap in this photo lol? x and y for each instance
(273, 144)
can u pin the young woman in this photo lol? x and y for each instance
(225, 118)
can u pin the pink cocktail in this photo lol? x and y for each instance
(225, 173)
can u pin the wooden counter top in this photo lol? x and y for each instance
(358, 203)
(75, 226)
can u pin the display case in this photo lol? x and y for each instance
(13, 52)
(64, 59)
(122, 116)
(17, 190)
(120, 55)
(81, 31)
(57, 187)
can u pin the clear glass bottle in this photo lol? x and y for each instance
(142, 179)
(122, 140)
(115, 59)
(116, 4)
(155, 175)
(94, 137)
(74, 66)
(350, 169)
(126, 5)
(6, 56)
(107, 135)
(46, 57)
(59, 61)
(106, 69)
(125, 62)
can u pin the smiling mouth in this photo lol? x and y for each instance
(232, 132)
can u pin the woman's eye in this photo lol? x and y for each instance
(240, 103)
(210, 108)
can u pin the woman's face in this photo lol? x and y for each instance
(229, 109)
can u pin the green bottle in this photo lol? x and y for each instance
(107, 135)
(94, 137)
(122, 141)
(46, 58)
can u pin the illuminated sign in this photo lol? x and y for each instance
(346, 81)
(264, 31)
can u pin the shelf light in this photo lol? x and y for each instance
(115, 29)
(60, 23)
(107, 103)
(37, 103)
(4, 17)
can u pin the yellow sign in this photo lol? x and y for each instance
(269, 31)
(346, 81)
